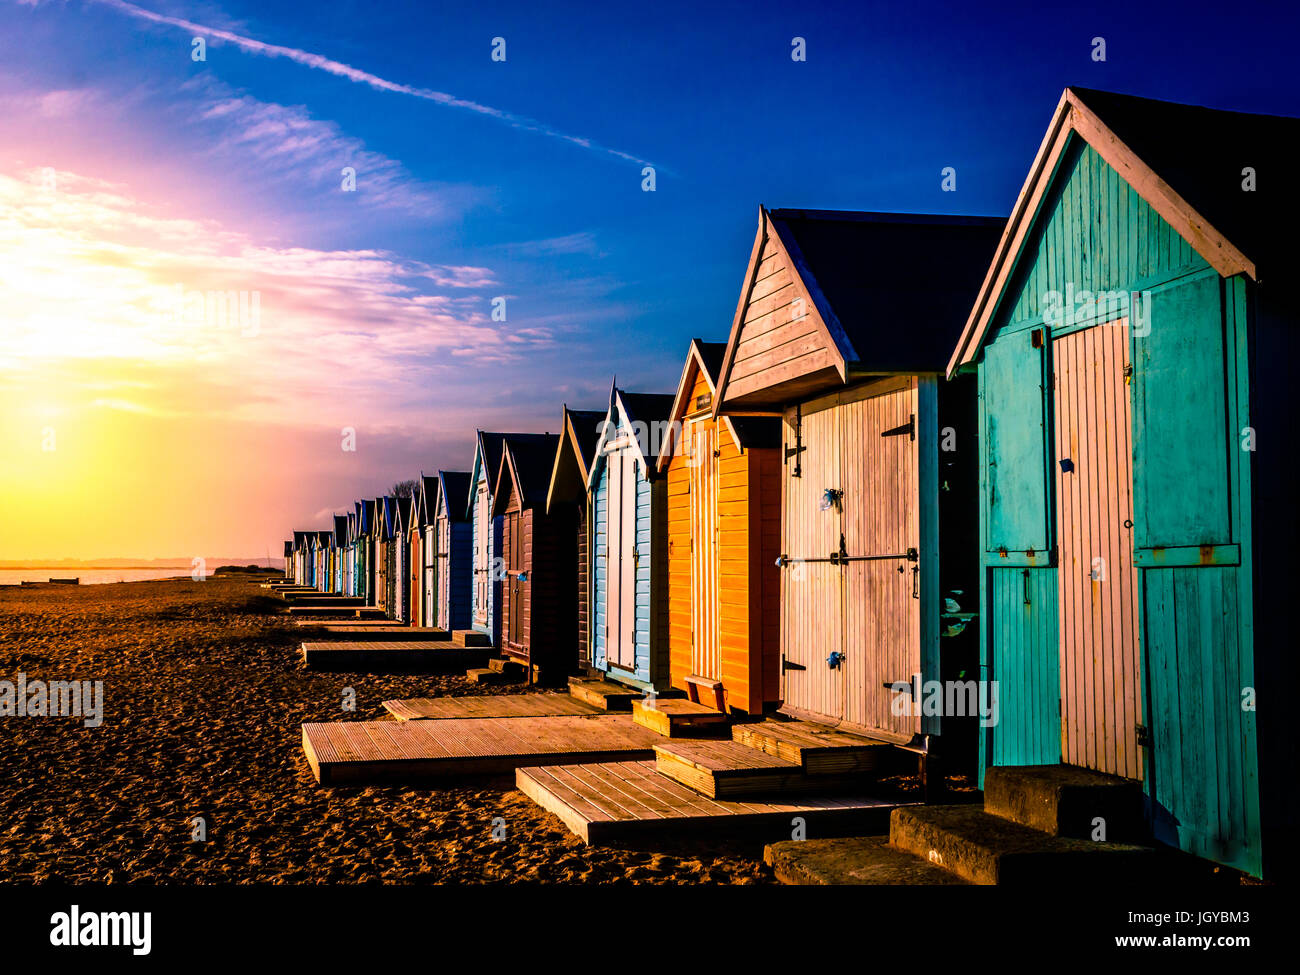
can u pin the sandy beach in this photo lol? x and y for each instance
(204, 693)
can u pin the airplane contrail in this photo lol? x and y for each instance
(322, 63)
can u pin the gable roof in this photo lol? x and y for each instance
(574, 452)
(1186, 162)
(384, 512)
(862, 273)
(288, 548)
(527, 460)
(454, 494)
(428, 491)
(647, 409)
(340, 530)
(487, 460)
(705, 358)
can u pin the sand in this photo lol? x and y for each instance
(204, 697)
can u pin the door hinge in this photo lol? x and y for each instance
(909, 428)
(788, 664)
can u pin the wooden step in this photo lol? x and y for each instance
(604, 694)
(675, 718)
(357, 612)
(484, 675)
(706, 690)
(986, 849)
(510, 669)
(1065, 800)
(620, 802)
(721, 769)
(817, 749)
(858, 860)
(470, 638)
(390, 655)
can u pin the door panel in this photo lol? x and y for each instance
(1101, 686)
(482, 555)
(882, 605)
(613, 557)
(811, 591)
(627, 585)
(704, 549)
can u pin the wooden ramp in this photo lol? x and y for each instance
(607, 803)
(371, 624)
(382, 653)
(364, 633)
(496, 706)
(365, 752)
(356, 612)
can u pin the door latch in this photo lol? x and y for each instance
(834, 660)
(1143, 736)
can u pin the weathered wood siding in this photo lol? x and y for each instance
(781, 337)
(869, 609)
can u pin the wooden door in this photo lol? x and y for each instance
(880, 554)
(703, 496)
(444, 573)
(812, 598)
(1100, 672)
(613, 557)
(628, 567)
(482, 554)
(431, 578)
(515, 635)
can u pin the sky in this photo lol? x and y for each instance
(142, 415)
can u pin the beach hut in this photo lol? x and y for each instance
(338, 553)
(392, 560)
(1132, 341)
(840, 330)
(300, 558)
(567, 492)
(629, 546)
(288, 558)
(382, 535)
(540, 552)
(454, 574)
(350, 555)
(486, 528)
(322, 561)
(724, 537)
(427, 566)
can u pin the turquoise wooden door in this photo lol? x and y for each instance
(1020, 646)
(1190, 505)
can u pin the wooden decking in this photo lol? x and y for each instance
(364, 752)
(495, 706)
(392, 654)
(610, 802)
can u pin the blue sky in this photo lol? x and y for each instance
(456, 205)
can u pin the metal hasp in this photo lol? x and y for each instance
(798, 447)
(835, 659)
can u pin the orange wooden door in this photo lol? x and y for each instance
(1101, 690)
(703, 494)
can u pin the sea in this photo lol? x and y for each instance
(88, 577)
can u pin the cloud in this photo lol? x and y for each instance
(356, 75)
(169, 316)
